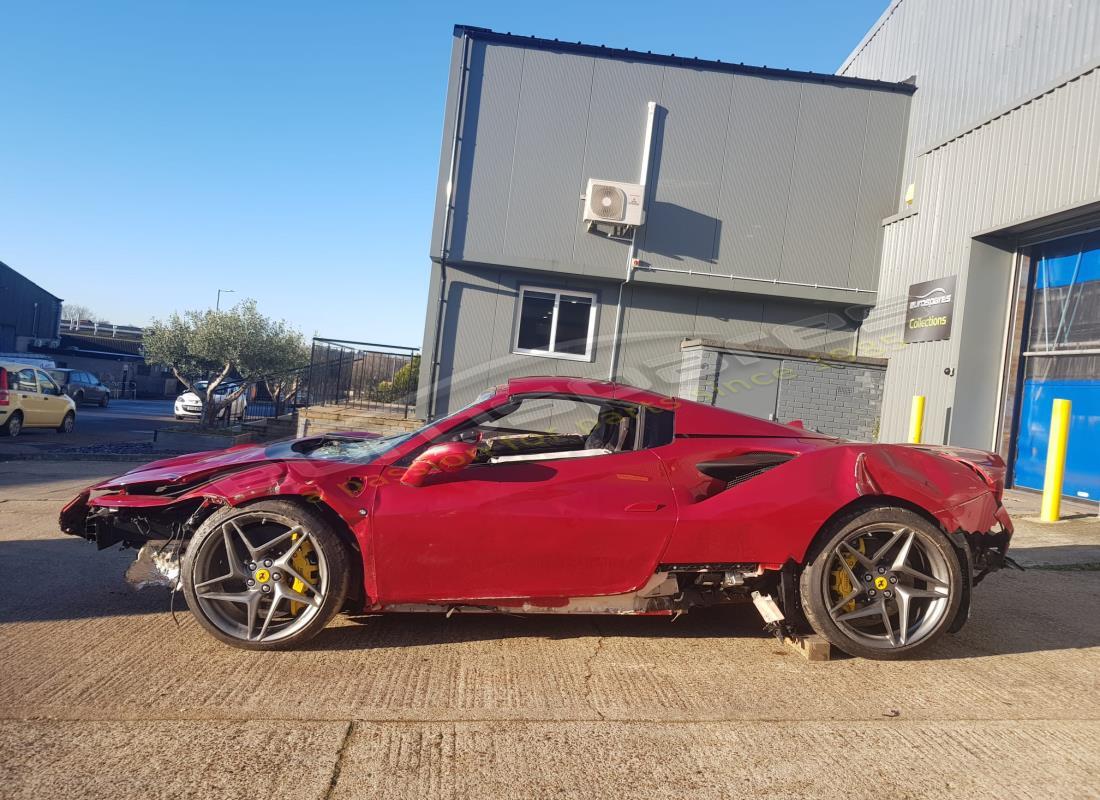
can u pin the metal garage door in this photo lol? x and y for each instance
(1062, 360)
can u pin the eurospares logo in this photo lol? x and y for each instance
(932, 298)
(928, 315)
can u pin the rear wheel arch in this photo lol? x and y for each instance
(855, 508)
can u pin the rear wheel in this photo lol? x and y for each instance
(268, 576)
(14, 426)
(884, 585)
(67, 424)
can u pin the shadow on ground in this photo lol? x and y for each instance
(61, 579)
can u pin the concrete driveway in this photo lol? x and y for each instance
(103, 695)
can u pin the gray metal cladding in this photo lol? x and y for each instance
(685, 173)
(975, 57)
(548, 154)
(885, 137)
(761, 176)
(613, 151)
(482, 304)
(821, 218)
(481, 191)
(1031, 162)
(757, 174)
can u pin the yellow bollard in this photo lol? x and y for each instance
(916, 419)
(1056, 461)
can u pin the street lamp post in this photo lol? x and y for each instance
(218, 305)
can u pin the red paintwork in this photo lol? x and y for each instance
(578, 527)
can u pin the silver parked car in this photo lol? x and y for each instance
(81, 386)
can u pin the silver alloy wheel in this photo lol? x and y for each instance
(245, 579)
(68, 423)
(15, 425)
(896, 586)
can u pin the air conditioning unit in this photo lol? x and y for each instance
(614, 203)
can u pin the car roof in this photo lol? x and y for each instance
(10, 365)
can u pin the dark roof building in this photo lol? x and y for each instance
(29, 315)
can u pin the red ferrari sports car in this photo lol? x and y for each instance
(566, 495)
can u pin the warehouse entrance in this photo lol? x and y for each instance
(1061, 359)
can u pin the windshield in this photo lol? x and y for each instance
(200, 386)
(358, 450)
(350, 449)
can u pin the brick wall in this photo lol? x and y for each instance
(836, 398)
(838, 395)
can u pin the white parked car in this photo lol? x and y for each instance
(189, 404)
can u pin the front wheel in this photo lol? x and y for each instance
(268, 576)
(67, 423)
(885, 585)
(103, 401)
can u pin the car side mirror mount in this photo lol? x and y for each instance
(446, 457)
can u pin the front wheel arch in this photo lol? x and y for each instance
(356, 594)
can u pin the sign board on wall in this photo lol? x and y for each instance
(929, 311)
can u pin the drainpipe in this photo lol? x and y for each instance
(632, 250)
(447, 220)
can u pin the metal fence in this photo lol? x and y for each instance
(266, 398)
(366, 375)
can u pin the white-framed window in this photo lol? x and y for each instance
(558, 323)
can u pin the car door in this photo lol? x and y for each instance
(549, 528)
(53, 404)
(30, 401)
(100, 389)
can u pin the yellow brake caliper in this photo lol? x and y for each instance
(842, 584)
(302, 564)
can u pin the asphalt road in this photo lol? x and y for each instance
(121, 421)
(103, 696)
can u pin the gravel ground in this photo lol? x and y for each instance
(104, 696)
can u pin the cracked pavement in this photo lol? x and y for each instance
(103, 696)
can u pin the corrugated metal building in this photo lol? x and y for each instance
(28, 313)
(1003, 155)
(761, 245)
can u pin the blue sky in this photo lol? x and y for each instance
(153, 152)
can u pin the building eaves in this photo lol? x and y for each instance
(672, 60)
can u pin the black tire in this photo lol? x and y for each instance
(336, 557)
(14, 426)
(67, 424)
(178, 416)
(103, 401)
(927, 617)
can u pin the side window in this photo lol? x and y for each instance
(540, 428)
(555, 323)
(25, 381)
(46, 384)
(657, 427)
